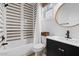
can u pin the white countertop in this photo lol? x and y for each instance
(74, 42)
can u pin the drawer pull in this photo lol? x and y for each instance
(60, 49)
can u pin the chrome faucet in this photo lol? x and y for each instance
(68, 34)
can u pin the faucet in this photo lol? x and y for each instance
(3, 38)
(68, 35)
(3, 44)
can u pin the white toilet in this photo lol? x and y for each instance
(38, 48)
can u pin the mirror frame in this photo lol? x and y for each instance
(56, 8)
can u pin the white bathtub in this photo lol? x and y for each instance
(16, 48)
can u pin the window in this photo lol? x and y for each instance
(13, 21)
(28, 22)
(20, 19)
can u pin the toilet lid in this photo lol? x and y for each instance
(38, 46)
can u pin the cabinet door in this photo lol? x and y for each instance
(53, 48)
(51, 51)
(70, 50)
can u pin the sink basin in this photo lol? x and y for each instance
(66, 39)
(59, 37)
(74, 41)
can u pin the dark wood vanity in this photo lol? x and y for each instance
(56, 48)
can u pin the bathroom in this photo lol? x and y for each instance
(39, 29)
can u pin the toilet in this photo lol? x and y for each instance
(38, 48)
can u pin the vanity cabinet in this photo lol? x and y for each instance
(55, 48)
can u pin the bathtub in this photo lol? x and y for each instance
(16, 48)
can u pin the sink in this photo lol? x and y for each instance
(59, 37)
(73, 40)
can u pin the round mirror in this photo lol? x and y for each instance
(67, 14)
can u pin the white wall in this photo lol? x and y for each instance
(49, 24)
